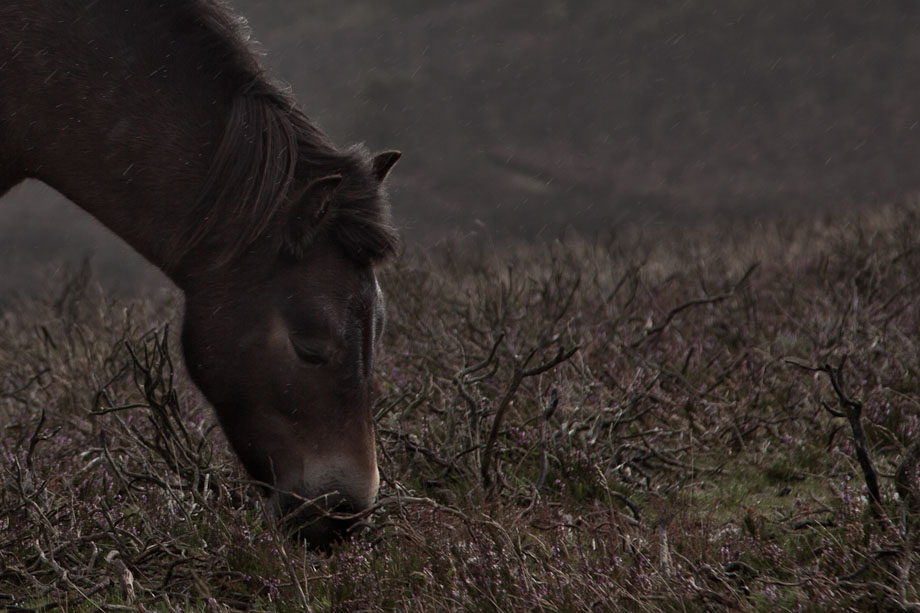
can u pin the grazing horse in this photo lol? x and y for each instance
(155, 117)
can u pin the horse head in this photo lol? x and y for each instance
(281, 340)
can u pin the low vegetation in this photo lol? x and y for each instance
(659, 419)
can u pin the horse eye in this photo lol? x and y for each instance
(309, 355)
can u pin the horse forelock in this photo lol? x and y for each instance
(267, 147)
(359, 220)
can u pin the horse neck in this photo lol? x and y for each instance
(127, 134)
(139, 170)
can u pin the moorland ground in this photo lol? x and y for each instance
(660, 418)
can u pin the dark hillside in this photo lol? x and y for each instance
(525, 113)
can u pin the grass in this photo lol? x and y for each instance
(645, 421)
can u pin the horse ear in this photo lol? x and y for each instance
(308, 212)
(384, 162)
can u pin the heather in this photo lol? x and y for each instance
(707, 417)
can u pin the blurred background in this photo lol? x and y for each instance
(523, 118)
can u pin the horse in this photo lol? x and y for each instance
(156, 117)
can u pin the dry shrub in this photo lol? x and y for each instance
(658, 419)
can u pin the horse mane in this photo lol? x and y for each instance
(267, 145)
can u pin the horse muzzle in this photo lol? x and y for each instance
(322, 516)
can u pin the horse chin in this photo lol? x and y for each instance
(320, 532)
(320, 522)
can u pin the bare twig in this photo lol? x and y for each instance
(521, 372)
(654, 331)
(852, 410)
